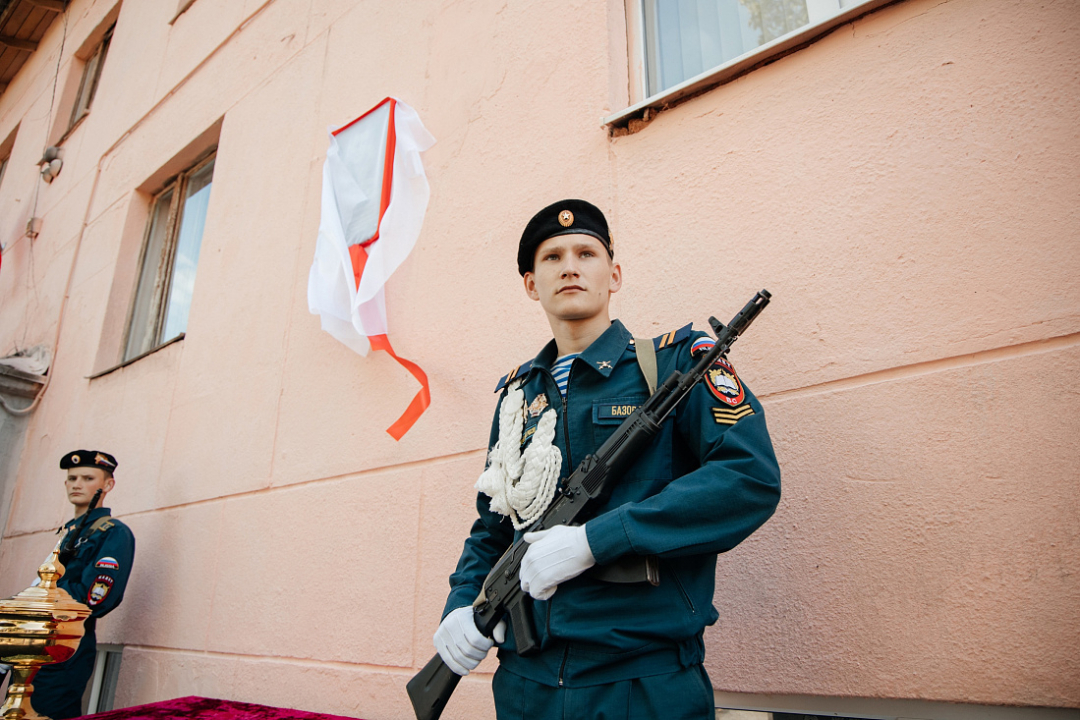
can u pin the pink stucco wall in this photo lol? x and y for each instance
(907, 187)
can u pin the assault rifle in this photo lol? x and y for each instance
(586, 488)
(71, 540)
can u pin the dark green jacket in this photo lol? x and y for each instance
(708, 480)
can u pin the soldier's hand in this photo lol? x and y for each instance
(460, 643)
(554, 556)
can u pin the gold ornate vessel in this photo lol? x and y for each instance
(39, 626)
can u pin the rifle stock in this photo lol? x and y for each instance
(432, 687)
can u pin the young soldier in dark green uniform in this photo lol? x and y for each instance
(709, 479)
(97, 576)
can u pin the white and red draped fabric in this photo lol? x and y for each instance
(374, 197)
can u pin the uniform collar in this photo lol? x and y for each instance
(95, 514)
(601, 356)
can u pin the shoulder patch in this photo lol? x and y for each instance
(99, 590)
(724, 383)
(516, 372)
(701, 346)
(675, 336)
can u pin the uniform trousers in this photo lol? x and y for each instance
(683, 695)
(59, 688)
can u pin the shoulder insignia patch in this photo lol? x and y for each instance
(668, 339)
(516, 372)
(724, 383)
(730, 416)
(108, 563)
(701, 346)
(99, 590)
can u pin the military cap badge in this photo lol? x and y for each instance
(566, 218)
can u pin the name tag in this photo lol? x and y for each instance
(613, 412)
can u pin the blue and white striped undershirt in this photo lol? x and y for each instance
(560, 370)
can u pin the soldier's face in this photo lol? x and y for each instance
(82, 482)
(573, 277)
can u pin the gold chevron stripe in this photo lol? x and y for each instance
(738, 408)
(730, 417)
(733, 413)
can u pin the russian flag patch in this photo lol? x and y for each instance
(108, 563)
(701, 345)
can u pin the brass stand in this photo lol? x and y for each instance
(39, 626)
(17, 706)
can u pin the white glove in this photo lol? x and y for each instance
(554, 556)
(460, 644)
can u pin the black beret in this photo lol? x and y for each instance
(566, 217)
(88, 458)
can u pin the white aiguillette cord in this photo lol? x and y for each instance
(521, 485)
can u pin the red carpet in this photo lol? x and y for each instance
(209, 709)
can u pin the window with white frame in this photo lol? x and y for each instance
(170, 257)
(101, 690)
(684, 38)
(91, 74)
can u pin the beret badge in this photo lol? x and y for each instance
(76, 459)
(566, 218)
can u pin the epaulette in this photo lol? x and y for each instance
(102, 524)
(675, 336)
(516, 372)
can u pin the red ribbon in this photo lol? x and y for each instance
(419, 403)
(422, 400)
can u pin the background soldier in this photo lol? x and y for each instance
(96, 575)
